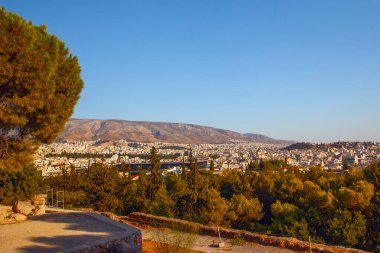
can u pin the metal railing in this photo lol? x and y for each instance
(56, 200)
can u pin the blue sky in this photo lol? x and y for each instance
(295, 69)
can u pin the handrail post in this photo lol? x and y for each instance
(310, 245)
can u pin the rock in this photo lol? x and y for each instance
(2, 218)
(39, 210)
(4, 214)
(19, 217)
(111, 216)
(39, 200)
(23, 207)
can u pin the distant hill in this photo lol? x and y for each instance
(266, 139)
(340, 144)
(138, 131)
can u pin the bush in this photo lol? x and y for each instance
(19, 185)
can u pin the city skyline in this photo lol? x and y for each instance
(289, 70)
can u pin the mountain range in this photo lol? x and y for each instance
(141, 131)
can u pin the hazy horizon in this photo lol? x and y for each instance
(302, 71)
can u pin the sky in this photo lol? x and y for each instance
(295, 69)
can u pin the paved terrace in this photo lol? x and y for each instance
(68, 232)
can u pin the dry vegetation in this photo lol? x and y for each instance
(157, 247)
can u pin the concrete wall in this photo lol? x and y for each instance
(130, 244)
(128, 240)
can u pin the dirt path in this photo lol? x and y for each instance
(204, 242)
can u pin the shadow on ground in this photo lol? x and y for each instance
(55, 233)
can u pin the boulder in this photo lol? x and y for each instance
(39, 199)
(39, 210)
(2, 217)
(19, 217)
(23, 207)
(4, 214)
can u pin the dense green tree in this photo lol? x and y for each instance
(290, 188)
(351, 176)
(261, 164)
(155, 178)
(243, 212)
(194, 184)
(288, 219)
(184, 203)
(231, 183)
(19, 185)
(373, 221)
(212, 165)
(157, 200)
(71, 182)
(314, 197)
(346, 228)
(161, 204)
(358, 198)
(316, 223)
(246, 188)
(372, 174)
(100, 185)
(183, 170)
(328, 182)
(252, 165)
(40, 84)
(127, 191)
(193, 178)
(264, 190)
(213, 208)
(141, 185)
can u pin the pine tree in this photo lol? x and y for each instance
(40, 84)
(212, 165)
(183, 167)
(193, 181)
(252, 166)
(100, 184)
(261, 164)
(193, 178)
(155, 178)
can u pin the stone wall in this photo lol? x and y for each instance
(130, 244)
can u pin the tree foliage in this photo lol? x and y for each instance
(347, 228)
(289, 219)
(243, 212)
(40, 84)
(19, 185)
(332, 209)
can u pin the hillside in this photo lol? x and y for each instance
(138, 131)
